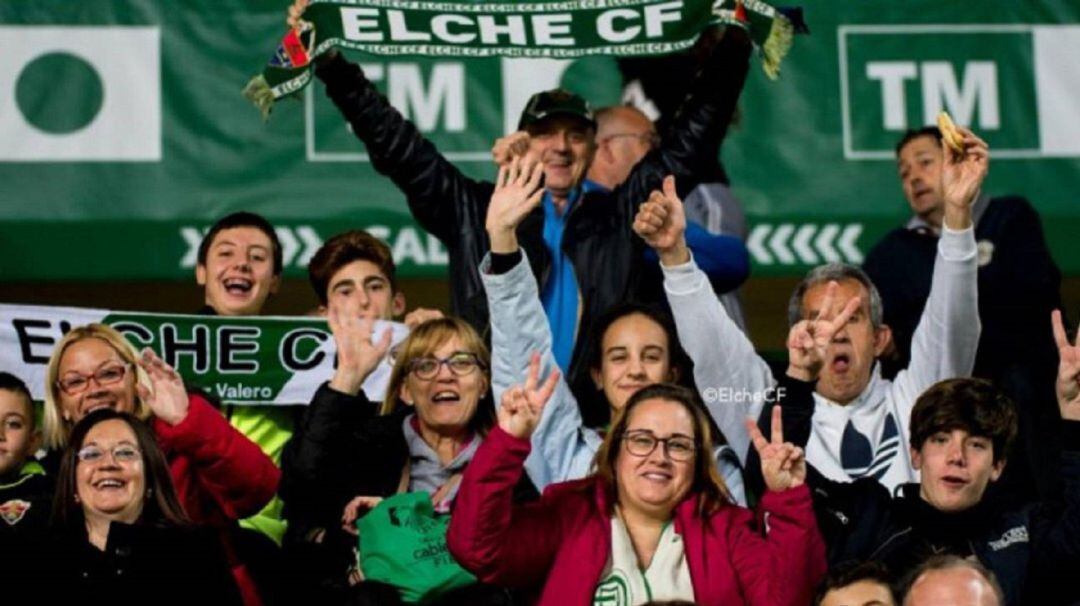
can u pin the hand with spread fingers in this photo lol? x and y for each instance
(808, 341)
(522, 406)
(357, 354)
(167, 397)
(783, 464)
(962, 176)
(661, 222)
(517, 193)
(355, 509)
(514, 145)
(1068, 379)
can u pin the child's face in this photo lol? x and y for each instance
(18, 438)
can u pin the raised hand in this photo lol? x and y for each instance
(295, 11)
(961, 177)
(357, 354)
(1068, 379)
(517, 192)
(514, 145)
(808, 341)
(167, 397)
(356, 508)
(783, 464)
(661, 222)
(522, 406)
(420, 315)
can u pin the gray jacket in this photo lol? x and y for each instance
(563, 448)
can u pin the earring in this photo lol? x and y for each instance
(77, 499)
(149, 492)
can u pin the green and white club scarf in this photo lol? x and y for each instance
(509, 28)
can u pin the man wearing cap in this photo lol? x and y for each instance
(579, 241)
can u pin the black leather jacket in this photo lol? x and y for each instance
(598, 239)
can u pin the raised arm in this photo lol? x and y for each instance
(691, 145)
(228, 468)
(317, 480)
(563, 448)
(724, 358)
(1056, 540)
(785, 566)
(947, 337)
(502, 543)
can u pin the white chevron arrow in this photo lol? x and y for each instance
(778, 244)
(801, 244)
(824, 241)
(756, 244)
(192, 237)
(289, 245)
(311, 241)
(847, 243)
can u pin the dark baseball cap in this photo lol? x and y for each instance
(557, 102)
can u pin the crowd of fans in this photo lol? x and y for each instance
(588, 423)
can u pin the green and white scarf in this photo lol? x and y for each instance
(509, 28)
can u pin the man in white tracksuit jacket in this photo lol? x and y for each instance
(861, 421)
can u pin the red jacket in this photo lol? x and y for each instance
(220, 475)
(563, 541)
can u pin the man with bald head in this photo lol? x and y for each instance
(623, 136)
(953, 581)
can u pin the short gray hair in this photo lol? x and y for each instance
(823, 274)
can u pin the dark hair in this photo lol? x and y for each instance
(973, 405)
(243, 219)
(912, 134)
(708, 484)
(344, 248)
(851, 573)
(10, 382)
(950, 562)
(596, 410)
(161, 507)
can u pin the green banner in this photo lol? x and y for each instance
(245, 361)
(125, 134)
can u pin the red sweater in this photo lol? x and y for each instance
(220, 475)
(562, 542)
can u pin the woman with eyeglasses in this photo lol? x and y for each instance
(220, 476)
(349, 452)
(120, 534)
(630, 346)
(654, 522)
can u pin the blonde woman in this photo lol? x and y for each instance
(349, 452)
(220, 475)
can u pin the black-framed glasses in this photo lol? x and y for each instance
(642, 443)
(74, 383)
(121, 453)
(461, 364)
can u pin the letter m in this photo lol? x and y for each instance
(446, 92)
(979, 90)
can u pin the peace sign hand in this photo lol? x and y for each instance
(1068, 379)
(521, 407)
(808, 341)
(783, 464)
